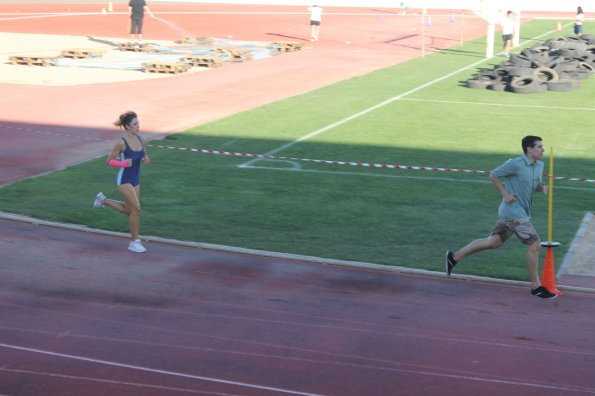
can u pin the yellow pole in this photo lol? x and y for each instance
(550, 196)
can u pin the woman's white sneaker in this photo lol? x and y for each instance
(136, 246)
(99, 200)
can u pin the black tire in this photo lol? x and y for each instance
(574, 45)
(519, 71)
(544, 74)
(585, 66)
(520, 60)
(560, 86)
(527, 84)
(486, 73)
(502, 71)
(542, 57)
(575, 75)
(499, 86)
(529, 54)
(555, 44)
(567, 66)
(588, 58)
(554, 61)
(478, 84)
(568, 53)
(539, 48)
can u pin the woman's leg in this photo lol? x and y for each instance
(118, 205)
(132, 204)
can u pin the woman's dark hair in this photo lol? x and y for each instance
(579, 10)
(125, 119)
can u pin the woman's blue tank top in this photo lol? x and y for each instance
(130, 175)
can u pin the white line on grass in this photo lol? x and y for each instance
(393, 176)
(377, 106)
(502, 104)
(152, 370)
(361, 113)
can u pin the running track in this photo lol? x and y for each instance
(80, 317)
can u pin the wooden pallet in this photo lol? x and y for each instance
(135, 47)
(196, 39)
(287, 46)
(203, 61)
(166, 67)
(80, 53)
(241, 56)
(235, 55)
(33, 60)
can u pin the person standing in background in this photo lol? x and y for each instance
(137, 14)
(507, 33)
(578, 23)
(315, 18)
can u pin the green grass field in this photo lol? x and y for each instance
(394, 217)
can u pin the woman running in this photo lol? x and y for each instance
(127, 155)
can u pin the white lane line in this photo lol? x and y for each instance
(520, 383)
(157, 371)
(108, 381)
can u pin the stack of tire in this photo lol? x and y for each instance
(557, 65)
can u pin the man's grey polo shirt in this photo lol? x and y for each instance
(521, 178)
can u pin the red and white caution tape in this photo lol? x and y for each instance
(349, 163)
(265, 156)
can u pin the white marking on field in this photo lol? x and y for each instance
(393, 176)
(376, 107)
(502, 104)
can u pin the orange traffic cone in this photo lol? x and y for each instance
(559, 27)
(548, 277)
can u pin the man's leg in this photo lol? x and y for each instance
(478, 245)
(507, 47)
(533, 263)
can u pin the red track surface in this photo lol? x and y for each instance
(150, 324)
(80, 316)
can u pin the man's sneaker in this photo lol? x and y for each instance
(542, 292)
(99, 200)
(449, 262)
(136, 247)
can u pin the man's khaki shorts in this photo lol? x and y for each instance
(522, 228)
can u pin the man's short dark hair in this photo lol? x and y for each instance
(529, 141)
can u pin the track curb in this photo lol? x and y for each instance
(286, 256)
